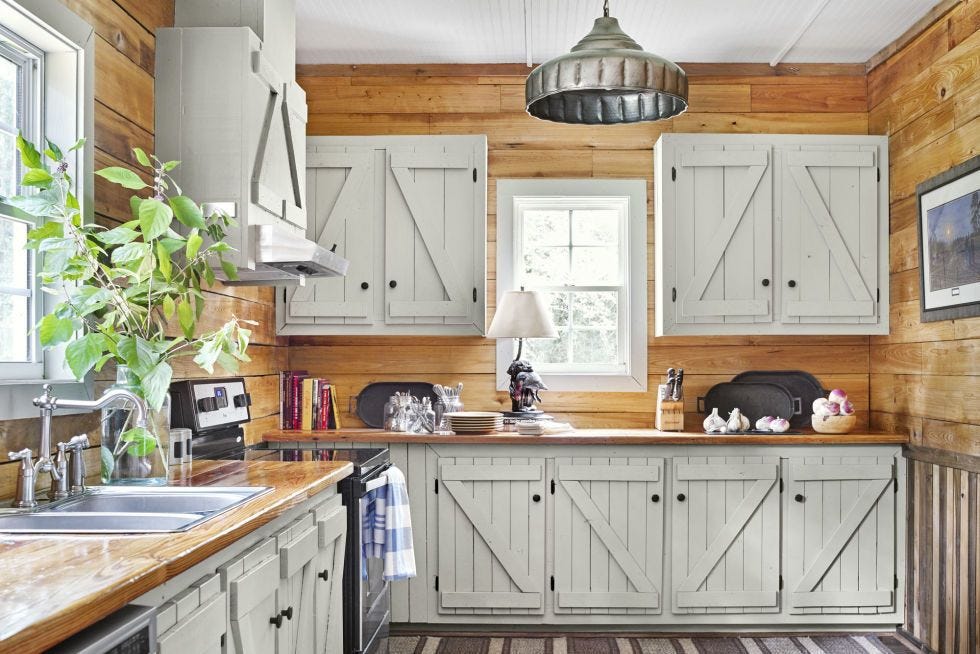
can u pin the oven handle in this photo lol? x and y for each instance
(376, 483)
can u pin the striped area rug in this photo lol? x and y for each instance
(616, 644)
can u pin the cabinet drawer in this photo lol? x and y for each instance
(199, 632)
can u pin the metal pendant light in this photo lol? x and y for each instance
(606, 79)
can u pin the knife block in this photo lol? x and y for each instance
(670, 413)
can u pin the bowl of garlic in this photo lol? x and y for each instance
(833, 414)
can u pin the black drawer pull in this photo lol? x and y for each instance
(799, 498)
(288, 613)
(324, 575)
(792, 283)
(536, 497)
(765, 282)
(681, 497)
(365, 285)
(276, 621)
(392, 284)
(654, 498)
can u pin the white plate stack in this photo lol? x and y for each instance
(475, 422)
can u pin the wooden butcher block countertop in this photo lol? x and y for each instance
(591, 437)
(52, 586)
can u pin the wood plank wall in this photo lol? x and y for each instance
(488, 99)
(124, 106)
(926, 97)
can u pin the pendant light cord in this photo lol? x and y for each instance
(605, 9)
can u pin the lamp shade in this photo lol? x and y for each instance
(522, 314)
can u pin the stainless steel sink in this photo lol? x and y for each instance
(129, 509)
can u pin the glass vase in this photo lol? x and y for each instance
(140, 462)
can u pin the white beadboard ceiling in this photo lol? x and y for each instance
(493, 31)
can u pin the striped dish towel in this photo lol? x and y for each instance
(387, 527)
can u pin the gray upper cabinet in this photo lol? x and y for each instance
(409, 213)
(771, 234)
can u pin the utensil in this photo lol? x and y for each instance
(372, 398)
(678, 381)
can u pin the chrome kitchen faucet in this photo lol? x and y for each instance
(27, 474)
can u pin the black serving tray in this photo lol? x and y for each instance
(754, 399)
(372, 398)
(799, 383)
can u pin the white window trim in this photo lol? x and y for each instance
(509, 193)
(68, 43)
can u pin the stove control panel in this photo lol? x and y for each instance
(205, 404)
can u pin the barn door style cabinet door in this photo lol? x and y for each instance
(771, 234)
(840, 535)
(299, 547)
(725, 535)
(491, 515)
(409, 213)
(331, 522)
(252, 583)
(608, 525)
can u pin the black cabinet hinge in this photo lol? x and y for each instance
(879, 295)
(878, 171)
(780, 582)
(896, 484)
(437, 582)
(435, 484)
(896, 582)
(474, 175)
(673, 294)
(780, 485)
(222, 641)
(552, 582)
(673, 174)
(283, 294)
(474, 293)
(552, 486)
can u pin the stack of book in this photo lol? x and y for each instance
(307, 402)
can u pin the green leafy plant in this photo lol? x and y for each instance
(121, 287)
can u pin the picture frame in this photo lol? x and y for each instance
(949, 243)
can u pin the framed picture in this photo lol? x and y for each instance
(949, 243)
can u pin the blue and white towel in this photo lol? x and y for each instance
(387, 527)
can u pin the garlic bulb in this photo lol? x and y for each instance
(846, 408)
(762, 424)
(714, 423)
(837, 395)
(779, 425)
(826, 409)
(737, 422)
(818, 405)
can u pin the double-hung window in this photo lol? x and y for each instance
(582, 244)
(20, 102)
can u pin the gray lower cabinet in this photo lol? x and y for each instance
(725, 543)
(193, 622)
(608, 535)
(840, 535)
(252, 581)
(331, 521)
(491, 516)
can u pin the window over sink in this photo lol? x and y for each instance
(582, 244)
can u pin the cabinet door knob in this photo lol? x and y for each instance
(765, 282)
(287, 613)
(324, 575)
(536, 497)
(365, 285)
(654, 498)
(276, 621)
(799, 498)
(792, 283)
(392, 284)
(681, 497)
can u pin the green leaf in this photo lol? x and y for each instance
(45, 203)
(168, 307)
(50, 229)
(89, 299)
(108, 464)
(163, 261)
(78, 145)
(37, 177)
(56, 261)
(134, 209)
(156, 383)
(130, 252)
(140, 441)
(194, 242)
(54, 330)
(117, 236)
(220, 246)
(141, 156)
(122, 176)
(187, 211)
(29, 155)
(138, 354)
(170, 165)
(83, 353)
(231, 271)
(185, 315)
(53, 151)
(171, 245)
(155, 218)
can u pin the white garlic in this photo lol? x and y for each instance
(762, 424)
(779, 425)
(818, 405)
(737, 422)
(714, 423)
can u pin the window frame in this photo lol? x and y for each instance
(66, 44)
(516, 195)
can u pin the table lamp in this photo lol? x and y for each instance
(522, 314)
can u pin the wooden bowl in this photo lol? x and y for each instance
(833, 424)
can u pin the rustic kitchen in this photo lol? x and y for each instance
(507, 326)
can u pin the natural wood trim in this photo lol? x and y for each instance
(515, 70)
(931, 18)
(945, 458)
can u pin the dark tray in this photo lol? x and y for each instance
(755, 399)
(372, 398)
(799, 384)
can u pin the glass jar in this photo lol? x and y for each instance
(134, 462)
(444, 406)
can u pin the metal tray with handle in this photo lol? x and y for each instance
(799, 383)
(754, 399)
